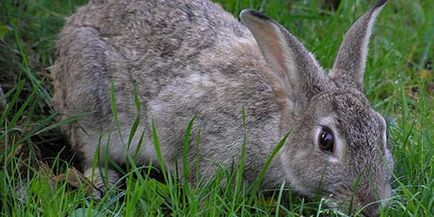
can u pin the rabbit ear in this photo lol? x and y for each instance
(349, 67)
(296, 69)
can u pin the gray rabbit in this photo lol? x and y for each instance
(183, 58)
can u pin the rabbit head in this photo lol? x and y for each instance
(337, 146)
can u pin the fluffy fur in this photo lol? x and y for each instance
(190, 57)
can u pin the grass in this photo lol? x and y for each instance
(38, 176)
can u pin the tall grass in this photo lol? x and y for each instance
(38, 175)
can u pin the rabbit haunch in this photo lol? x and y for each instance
(183, 58)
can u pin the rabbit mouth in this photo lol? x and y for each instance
(344, 199)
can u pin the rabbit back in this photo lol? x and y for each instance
(181, 58)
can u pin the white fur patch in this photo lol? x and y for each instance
(383, 134)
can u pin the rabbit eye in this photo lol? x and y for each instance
(326, 140)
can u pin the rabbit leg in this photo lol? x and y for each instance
(102, 179)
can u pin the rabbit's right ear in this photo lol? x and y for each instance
(296, 69)
(350, 63)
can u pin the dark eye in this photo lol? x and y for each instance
(326, 140)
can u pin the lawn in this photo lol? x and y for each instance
(40, 176)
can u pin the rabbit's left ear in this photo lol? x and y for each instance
(349, 67)
(295, 68)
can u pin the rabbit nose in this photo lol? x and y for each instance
(372, 203)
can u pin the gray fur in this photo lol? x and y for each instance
(188, 57)
(350, 63)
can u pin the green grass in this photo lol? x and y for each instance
(38, 176)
